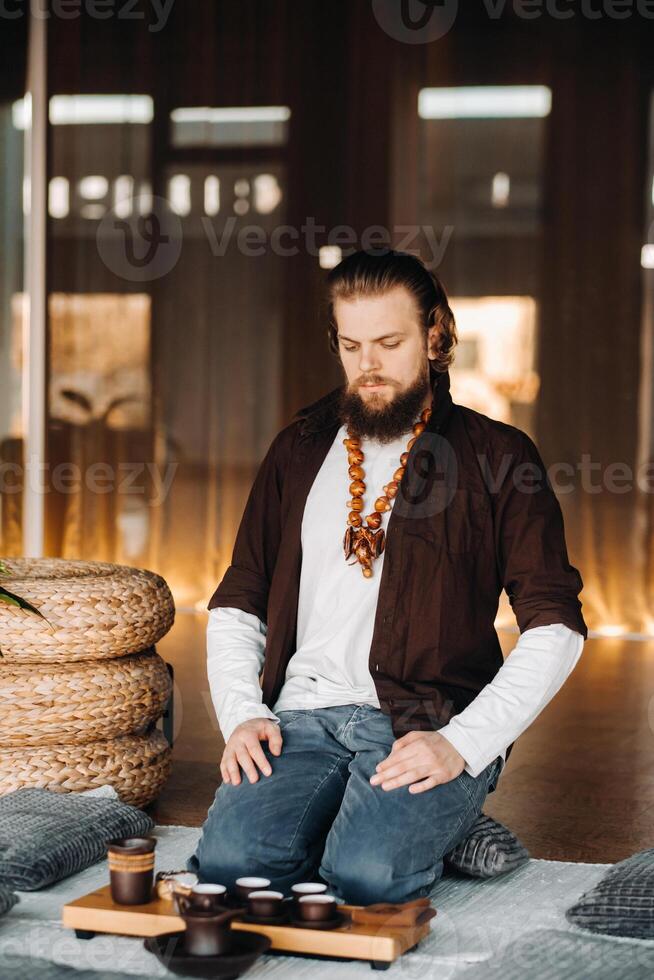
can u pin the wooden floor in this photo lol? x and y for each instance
(579, 785)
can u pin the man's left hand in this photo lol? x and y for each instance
(420, 760)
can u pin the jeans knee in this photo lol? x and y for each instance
(366, 882)
(234, 844)
(220, 850)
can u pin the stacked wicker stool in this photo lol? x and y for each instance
(81, 690)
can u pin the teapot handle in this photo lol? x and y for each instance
(182, 902)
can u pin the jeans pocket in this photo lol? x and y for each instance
(290, 715)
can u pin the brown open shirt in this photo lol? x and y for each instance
(475, 514)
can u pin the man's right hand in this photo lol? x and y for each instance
(243, 750)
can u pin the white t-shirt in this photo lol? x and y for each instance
(337, 604)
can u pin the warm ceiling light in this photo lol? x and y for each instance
(211, 195)
(123, 195)
(179, 194)
(88, 109)
(500, 190)
(647, 256)
(485, 102)
(94, 187)
(58, 197)
(329, 256)
(231, 114)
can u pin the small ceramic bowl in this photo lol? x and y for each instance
(266, 904)
(207, 899)
(243, 886)
(307, 888)
(316, 908)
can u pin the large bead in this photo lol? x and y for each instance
(374, 520)
(425, 415)
(391, 488)
(351, 443)
(354, 519)
(410, 443)
(367, 572)
(355, 504)
(357, 488)
(418, 428)
(356, 472)
(382, 505)
(355, 456)
(404, 459)
(398, 474)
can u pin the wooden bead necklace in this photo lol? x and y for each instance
(367, 543)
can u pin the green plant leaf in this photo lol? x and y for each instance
(16, 600)
(3, 569)
(7, 597)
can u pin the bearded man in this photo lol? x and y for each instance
(380, 530)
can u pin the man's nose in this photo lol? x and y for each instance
(369, 361)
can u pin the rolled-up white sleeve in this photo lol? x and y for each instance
(530, 676)
(236, 642)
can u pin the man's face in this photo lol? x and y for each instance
(382, 348)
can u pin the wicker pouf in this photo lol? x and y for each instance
(81, 702)
(97, 610)
(136, 766)
(81, 690)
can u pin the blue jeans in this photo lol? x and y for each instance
(318, 816)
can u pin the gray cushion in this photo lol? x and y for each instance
(622, 902)
(489, 849)
(555, 954)
(7, 898)
(45, 836)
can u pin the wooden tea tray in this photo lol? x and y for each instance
(380, 944)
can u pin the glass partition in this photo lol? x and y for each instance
(480, 201)
(13, 312)
(164, 328)
(480, 191)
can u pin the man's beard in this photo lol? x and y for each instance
(384, 421)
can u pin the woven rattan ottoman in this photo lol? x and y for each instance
(82, 686)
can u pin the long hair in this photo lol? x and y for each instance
(377, 271)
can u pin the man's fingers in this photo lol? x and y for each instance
(274, 736)
(399, 758)
(399, 743)
(253, 745)
(402, 766)
(424, 784)
(245, 760)
(233, 770)
(405, 778)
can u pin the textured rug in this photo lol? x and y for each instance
(511, 926)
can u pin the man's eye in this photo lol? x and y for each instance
(348, 348)
(389, 346)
